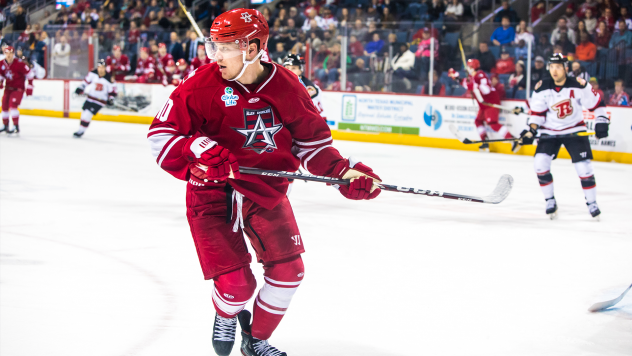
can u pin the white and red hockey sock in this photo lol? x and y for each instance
(542, 165)
(501, 130)
(232, 291)
(480, 128)
(15, 116)
(585, 172)
(86, 118)
(5, 118)
(281, 282)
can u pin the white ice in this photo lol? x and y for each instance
(97, 258)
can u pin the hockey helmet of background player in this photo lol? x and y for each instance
(294, 60)
(182, 64)
(233, 31)
(557, 58)
(8, 49)
(171, 66)
(473, 65)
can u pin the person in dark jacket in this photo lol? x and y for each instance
(175, 47)
(19, 20)
(508, 12)
(485, 57)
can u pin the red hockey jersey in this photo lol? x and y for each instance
(197, 63)
(161, 64)
(118, 68)
(146, 67)
(482, 88)
(15, 74)
(270, 125)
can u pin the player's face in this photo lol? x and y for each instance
(9, 56)
(182, 67)
(558, 72)
(229, 58)
(144, 55)
(101, 71)
(295, 69)
(170, 69)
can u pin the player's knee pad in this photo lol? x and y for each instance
(233, 290)
(281, 282)
(585, 172)
(542, 166)
(86, 117)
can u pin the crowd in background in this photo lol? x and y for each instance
(390, 43)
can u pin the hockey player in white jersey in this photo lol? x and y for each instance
(556, 110)
(295, 64)
(98, 86)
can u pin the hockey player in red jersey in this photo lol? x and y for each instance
(201, 58)
(15, 73)
(170, 76)
(162, 59)
(181, 71)
(242, 111)
(117, 64)
(479, 84)
(145, 67)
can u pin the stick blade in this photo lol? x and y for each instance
(608, 303)
(502, 190)
(456, 133)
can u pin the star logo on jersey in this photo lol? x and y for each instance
(246, 17)
(229, 98)
(564, 108)
(260, 130)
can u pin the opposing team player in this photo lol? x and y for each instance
(100, 90)
(556, 110)
(145, 67)
(201, 58)
(242, 111)
(479, 84)
(295, 64)
(15, 72)
(117, 64)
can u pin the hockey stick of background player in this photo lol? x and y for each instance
(467, 141)
(193, 23)
(502, 190)
(608, 303)
(124, 107)
(462, 55)
(517, 110)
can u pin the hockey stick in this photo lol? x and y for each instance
(467, 141)
(502, 190)
(193, 23)
(124, 107)
(608, 303)
(462, 55)
(517, 110)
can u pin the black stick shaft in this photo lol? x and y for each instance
(468, 142)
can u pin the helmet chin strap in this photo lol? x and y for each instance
(246, 64)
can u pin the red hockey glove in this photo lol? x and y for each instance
(29, 88)
(453, 74)
(210, 161)
(363, 180)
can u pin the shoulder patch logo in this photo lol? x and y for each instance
(246, 17)
(229, 98)
(564, 108)
(259, 130)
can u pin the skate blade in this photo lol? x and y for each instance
(553, 216)
(597, 218)
(484, 150)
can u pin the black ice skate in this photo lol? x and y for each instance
(77, 134)
(594, 210)
(484, 147)
(224, 335)
(551, 208)
(16, 130)
(251, 346)
(5, 129)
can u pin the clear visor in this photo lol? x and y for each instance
(224, 50)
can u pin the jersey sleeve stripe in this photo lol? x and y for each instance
(166, 151)
(313, 143)
(158, 141)
(160, 129)
(314, 154)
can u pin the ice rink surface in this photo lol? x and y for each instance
(97, 258)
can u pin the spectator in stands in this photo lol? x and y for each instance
(437, 87)
(537, 11)
(358, 30)
(331, 67)
(190, 47)
(374, 46)
(355, 47)
(388, 19)
(567, 46)
(508, 12)
(402, 64)
(279, 54)
(359, 14)
(562, 28)
(175, 47)
(328, 18)
(522, 51)
(585, 51)
(321, 54)
(516, 77)
(454, 11)
(328, 39)
(436, 10)
(152, 7)
(372, 15)
(543, 48)
(590, 21)
(602, 36)
(588, 5)
(289, 34)
(345, 17)
(296, 16)
(314, 30)
(360, 75)
(504, 34)
(312, 5)
(581, 28)
(608, 19)
(619, 97)
(500, 87)
(623, 35)
(423, 50)
(578, 71)
(313, 16)
(625, 17)
(485, 57)
(595, 85)
(505, 65)
(61, 58)
(370, 30)
(133, 36)
(523, 33)
(19, 20)
(538, 72)
(40, 48)
(569, 16)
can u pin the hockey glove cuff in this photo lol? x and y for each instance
(527, 136)
(29, 89)
(363, 185)
(209, 161)
(601, 129)
(79, 91)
